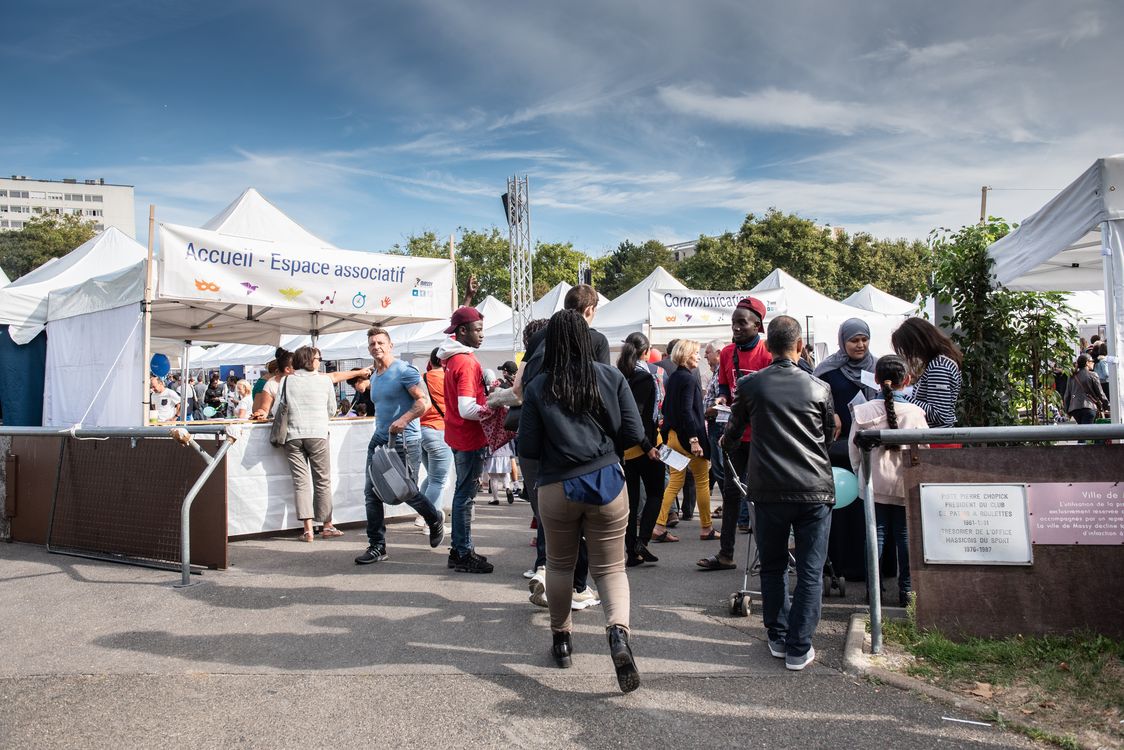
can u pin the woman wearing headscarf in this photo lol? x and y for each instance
(843, 371)
(573, 418)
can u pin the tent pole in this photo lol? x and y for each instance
(1113, 276)
(184, 375)
(453, 258)
(147, 312)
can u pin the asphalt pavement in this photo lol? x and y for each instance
(296, 646)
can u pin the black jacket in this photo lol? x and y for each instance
(683, 409)
(643, 386)
(793, 424)
(569, 445)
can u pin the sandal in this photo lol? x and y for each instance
(667, 536)
(306, 536)
(716, 513)
(716, 562)
(672, 520)
(330, 531)
(709, 536)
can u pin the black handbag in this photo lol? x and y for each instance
(280, 428)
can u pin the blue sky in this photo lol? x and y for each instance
(369, 122)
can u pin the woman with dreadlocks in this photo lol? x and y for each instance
(891, 412)
(573, 419)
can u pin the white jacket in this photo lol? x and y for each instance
(885, 465)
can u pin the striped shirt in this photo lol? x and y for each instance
(937, 391)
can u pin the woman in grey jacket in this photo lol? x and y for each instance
(1084, 396)
(574, 416)
(312, 402)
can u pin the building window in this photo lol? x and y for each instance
(76, 197)
(98, 227)
(17, 225)
(93, 212)
(93, 199)
(54, 196)
(20, 209)
(37, 195)
(18, 194)
(76, 211)
(3, 193)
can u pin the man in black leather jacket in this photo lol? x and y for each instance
(790, 484)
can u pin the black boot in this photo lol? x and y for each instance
(627, 676)
(647, 556)
(562, 650)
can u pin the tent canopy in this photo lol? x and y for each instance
(4, 280)
(874, 299)
(23, 303)
(1064, 247)
(251, 216)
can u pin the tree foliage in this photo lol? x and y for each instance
(41, 239)
(629, 264)
(557, 261)
(830, 262)
(483, 254)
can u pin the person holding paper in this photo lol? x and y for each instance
(849, 372)
(684, 429)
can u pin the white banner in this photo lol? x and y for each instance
(197, 264)
(684, 308)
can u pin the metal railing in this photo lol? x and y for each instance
(183, 434)
(867, 440)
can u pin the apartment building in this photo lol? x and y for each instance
(95, 201)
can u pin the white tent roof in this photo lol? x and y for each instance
(874, 299)
(783, 294)
(1059, 247)
(4, 280)
(251, 215)
(23, 303)
(1063, 247)
(630, 310)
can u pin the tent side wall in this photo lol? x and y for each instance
(21, 379)
(93, 369)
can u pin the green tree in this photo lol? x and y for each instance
(722, 262)
(556, 261)
(979, 324)
(42, 238)
(483, 254)
(629, 264)
(1042, 332)
(901, 267)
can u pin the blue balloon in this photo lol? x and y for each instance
(846, 487)
(159, 365)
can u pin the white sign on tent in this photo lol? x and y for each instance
(679, 308)
(210, 267)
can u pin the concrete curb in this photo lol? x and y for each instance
(858, 664)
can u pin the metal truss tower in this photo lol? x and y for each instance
(518, 204)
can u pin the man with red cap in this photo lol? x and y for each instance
(465, 407)
(746, 354)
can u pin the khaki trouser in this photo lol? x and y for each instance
(700, 469)
(313, 491)
(565, 522)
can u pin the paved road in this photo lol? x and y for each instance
(295, 646)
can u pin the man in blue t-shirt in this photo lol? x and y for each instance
(399, 400)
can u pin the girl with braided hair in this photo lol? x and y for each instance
(891, 412)
(573, 419)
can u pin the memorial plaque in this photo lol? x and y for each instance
(975, 524)
(1077, 512)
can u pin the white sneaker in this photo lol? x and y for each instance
(584, 599)
(529, 573)
(420, 523)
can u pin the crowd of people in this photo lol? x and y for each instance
(613, 453)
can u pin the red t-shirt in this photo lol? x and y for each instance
(463, 377)
(757, 358)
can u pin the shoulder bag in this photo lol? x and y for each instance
(390, 474)
(280, 428)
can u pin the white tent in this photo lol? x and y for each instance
(783, 294)
(1064, 247)
(874, 299)
(214, 286)
(23, 303)
(628, 313)
(4, 280)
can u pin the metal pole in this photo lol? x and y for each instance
(146, 398)
(1110, 260)
(983, 204)
(184, 377)
(185, 511)
(873, 577)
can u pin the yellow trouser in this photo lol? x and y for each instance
(700, 468)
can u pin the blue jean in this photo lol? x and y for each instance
(892, 517)
(794, 623)
(376, 520)
(438, 456)
(468, 464)
(717, 460)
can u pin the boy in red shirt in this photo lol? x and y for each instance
(464, 409)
